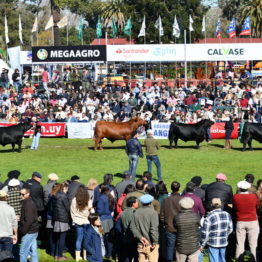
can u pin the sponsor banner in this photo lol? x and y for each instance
(14, 57)
(47, 54)
(223, 52)
(25, 57)
(47, 129)
(80, 130)
(218, 131)
(161, 130)
(138, 53)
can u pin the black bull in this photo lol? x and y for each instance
(13, 135)
(251, 131)
(189, 132)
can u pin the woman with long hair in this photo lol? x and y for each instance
(105, 209)
(61, 216)
(80, 209)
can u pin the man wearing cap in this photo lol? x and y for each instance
(187, 225)
(36, 191)
(73, 187)
(219, 189)
(52, 180)
(121, 186)
(216, 228)
(245, 205)
(12, 174)
(134, 151)
(152, 147)
(8, 224)
(145, 229)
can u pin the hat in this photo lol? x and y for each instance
(216, 202)
(149, 132)
(52, 177)
(75, 177)
(243, 185)
(37, 174)
(221, 176)
(14, 182)
(13, 174)
(127, 173)
(146, 199)
(186, 202)
(197, 180)
(3, 193)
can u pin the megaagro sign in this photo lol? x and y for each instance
(47, 54)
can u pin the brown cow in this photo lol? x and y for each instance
(115, 131)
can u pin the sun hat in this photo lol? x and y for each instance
(221, 176)
(243, 185)
(186, 203)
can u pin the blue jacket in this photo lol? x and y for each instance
(133, 147)
(102, 208)
(92, 244)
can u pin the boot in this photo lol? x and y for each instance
(77, 255)
(226, 145)
(229, 144)
(84, 255)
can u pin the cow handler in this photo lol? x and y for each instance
(37, 132)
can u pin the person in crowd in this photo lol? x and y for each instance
(121, 186)
(169, 210)
(134, 151)
(12, 174)
(105, 208)
(8, 224)
(250, 178)
(36, 191)
(198, 205)
(161, 192)
(47, 188)
(16, 79)
(28, 227)
(91, 185)
(187, 224)
(245, 205)
(144, 227)
(60, 211)
(81, 207)
(148, 178)
(37, 132)
(129, 242)
(219, 189)
(93, 239)
(216, 228)
(73, 186)
(152, 146)
(229, 127)
(198, 191)
(45, 80)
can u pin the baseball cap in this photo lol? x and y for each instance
(243, 185)
(221, 176)
(146, 199)
(37, 174)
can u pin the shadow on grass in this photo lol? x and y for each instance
(107, 148)
(181, 147)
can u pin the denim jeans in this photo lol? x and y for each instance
(46, 89)
(170, 245)
(156, 161)
(17, 85)
(6, 243)
(133, 162)
(29, 247)
(35, 141)
(217, 254)
(80, 235)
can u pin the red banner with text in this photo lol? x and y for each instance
(218, 131)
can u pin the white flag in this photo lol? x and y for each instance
(6, 32)
(176, 30)
(50, 23)
(159, 26)
(63, 22)
(35, 26)
(204, 24)
(143, 28)
(20, 30)
(190, 24)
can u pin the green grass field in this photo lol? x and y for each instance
(76, 157)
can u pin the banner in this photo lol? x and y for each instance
(14, 57)
(47, 129)
(64, 54)
(80, 130)
(25, 57)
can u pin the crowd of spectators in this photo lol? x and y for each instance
(133, 220)
(73, 96)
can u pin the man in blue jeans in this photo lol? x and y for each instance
(152, 146)
(28, 227)
(8, 224)
(134, 151)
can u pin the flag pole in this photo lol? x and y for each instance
(106, 60)
(145, 61)
(160, 44)
(206, 43)
(176, 61)
(190, 64)
(67, 28)
(185, 61)
(130, 69)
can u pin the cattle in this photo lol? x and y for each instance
(13, 135)
(115, 131)
(250, 131)
(189, 132)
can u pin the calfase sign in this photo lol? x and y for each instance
(52, 54)
(224, 52)
(151, 53)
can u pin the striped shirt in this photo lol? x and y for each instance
(216, 228)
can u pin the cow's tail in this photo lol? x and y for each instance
(240, 132)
